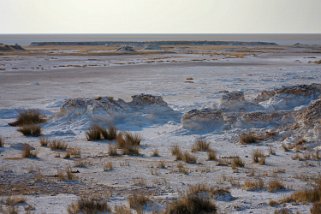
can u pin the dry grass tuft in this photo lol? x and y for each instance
(1, 142)
(110, 134)
(14, 200)
(121, 210)
(108, 166)
(316, 208)
(58, 145)
(182, 169)
(28, 117)
(201, 146)
(283, 211)
(176, 151)
(249, 138)
(137, 202)
(258, 157)
(112, 150)
(275, 185)
(27, 152)
(193, 202)
(44, 141)
(129, 143)
(211, 155)
(155, 153)
(237, 162)
(253, 185)
(95, 132)
(309, 195)
(30, 130)
(188, 158)
(88, 206)
(66, 175)
(73, 153)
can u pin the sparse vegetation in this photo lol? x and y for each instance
(258, 157)
(137, 202)
(73, 153)
(176, 151)
(182, 169)
(95, 132)
(211, 155)
(316, 208)
(108, 166)
(30, 130)
(237, 162)
(201, 146)
(1, 142)
(27, 152)
(186, 156)
(306, 195)
(275, 185)
(255, 185)
(66, 175)
(112, 150)
(121, 210)
(155, 153)
(192, 202)
(88, 206)
(57, 145)
(249, 138)
(129, 143)
(28, 117)
(44, 141)
(110, 134)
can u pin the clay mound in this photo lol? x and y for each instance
(310, 115)
(235, 102)
(204, 119)
(287, 98)
(126, 49)
(152, 48)
(15, 47)
(143, 110)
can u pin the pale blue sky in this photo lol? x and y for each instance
(160, 16)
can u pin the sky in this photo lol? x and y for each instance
(160, 16)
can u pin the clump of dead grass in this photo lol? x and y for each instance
(30, 130)
(95, 133)
(73, 153)
(129, 143)
(275, 185)
(121, 210)
(182, 169)
(258, 157)
(253, 185)
(108, 166)
(192, 202)
(201, 146)
(66, 175)
(211, 155)
(155, 153)
(183, 156)
(27, 152)
(57, 145)
(112, 150)
(137, 202)
(1, 142)
(237, 162)
(28, 117)
(88, 205)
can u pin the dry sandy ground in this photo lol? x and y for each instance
(42, 80)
